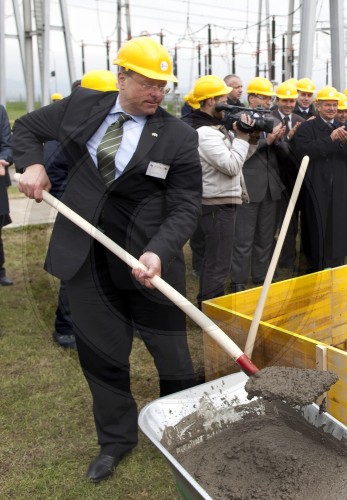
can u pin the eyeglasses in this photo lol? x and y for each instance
(264, 97)
(330, 105)
(148, 87)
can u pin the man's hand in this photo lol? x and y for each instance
(3, 164)
(33, 181)
(276, 135)
(292, 131)
(248, 121)
(339, 134)
(153, 264)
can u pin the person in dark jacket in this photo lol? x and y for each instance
(235, 94)
(135, 172)
(304, 103)
(286, 94)
(5, 182)
(324, 202)
(56, 167)
(256, 221)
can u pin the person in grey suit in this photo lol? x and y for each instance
(286, 94)
(256, 221)
(149, 206)
(5, 181)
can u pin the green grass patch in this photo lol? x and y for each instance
(47, 436)
(15, 109)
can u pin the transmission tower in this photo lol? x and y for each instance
(34, 22)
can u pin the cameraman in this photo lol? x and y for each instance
(222, 155)
(256, 221)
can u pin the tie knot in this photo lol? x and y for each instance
(286, 120)
(122, 118)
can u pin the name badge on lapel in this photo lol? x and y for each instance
(158, 170)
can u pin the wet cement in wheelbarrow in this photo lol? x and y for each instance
(269, 457)
(274, 454)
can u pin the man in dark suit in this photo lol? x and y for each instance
(256, 221)
(286, 94)
(5, 181)
(149, 205)
(304, 104)
(324, 202)
(235, 94)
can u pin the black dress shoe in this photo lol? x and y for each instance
(67, 341)
(5, 281)
(101, 467)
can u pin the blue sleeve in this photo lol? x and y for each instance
(5, 136)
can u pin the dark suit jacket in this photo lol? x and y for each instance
(141, 212)
(5, 154)
(311, 112)
(325, 181)
(288, 161)
(261, 172)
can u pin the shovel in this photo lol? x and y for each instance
(178, 299)
(267, 384)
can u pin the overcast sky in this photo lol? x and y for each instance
(184, 25)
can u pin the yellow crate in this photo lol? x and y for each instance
(301, 316)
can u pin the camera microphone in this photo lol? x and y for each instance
(223, 107)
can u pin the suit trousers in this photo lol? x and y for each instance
(2, 254)
(63, 323)
(218, 225)
(254, 240)
(104, 316)
(288, 252)
(197, 245)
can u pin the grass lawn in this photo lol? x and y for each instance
(15, 109)
(47, 436)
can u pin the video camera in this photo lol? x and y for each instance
(232, 114)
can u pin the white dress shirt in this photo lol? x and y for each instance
(132, 130)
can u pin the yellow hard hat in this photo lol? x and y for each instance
(286, 90)
(100, 79)
(210, 86)
(342, 104)
(306, 85)
(146, 57)
(260, 85)
(190, 99)
(294, 81)
(56, 96)
(327, 93)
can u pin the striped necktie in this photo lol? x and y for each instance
(108, 148)
(286, 123)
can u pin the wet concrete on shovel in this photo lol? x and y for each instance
(295, 386)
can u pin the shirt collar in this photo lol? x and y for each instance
(117, 108)
(283, 116)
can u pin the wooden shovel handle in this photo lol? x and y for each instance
(272, 267)
(178, 299)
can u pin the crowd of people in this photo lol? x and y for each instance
(290, 121)
(221, 178)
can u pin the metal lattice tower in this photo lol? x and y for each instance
(34, 21)
(308, 23)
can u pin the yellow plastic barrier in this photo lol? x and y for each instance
(301, 316)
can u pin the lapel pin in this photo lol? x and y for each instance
(154, 134)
